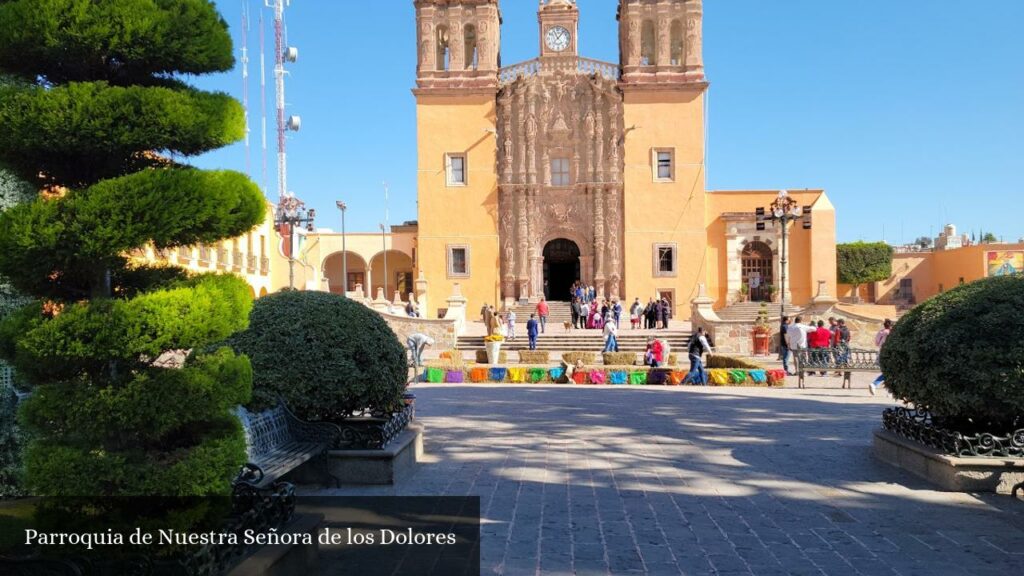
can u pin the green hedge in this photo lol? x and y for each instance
(326, 355)
(92, 105)
(961, 355)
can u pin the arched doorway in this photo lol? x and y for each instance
(561, 268)
(354, 266)
(757, 271)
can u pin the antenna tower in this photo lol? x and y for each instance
(263, 104)
(245, 83)
(282, 54)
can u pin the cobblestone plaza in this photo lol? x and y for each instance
(613, 480)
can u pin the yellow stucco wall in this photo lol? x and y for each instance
(664, 212)
(458, 215)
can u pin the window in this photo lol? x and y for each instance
(648, 50)
(665, 260)
(471, 48)
(458, 261)
(456, 169)
(677, 43)
(443, 52)
(560, 172)
(664, 165)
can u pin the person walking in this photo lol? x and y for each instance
(843, 337)
(650, 314)
(634, 314)
(617, 312)
(696, 348)
(880, 339)
(581, 313)
(542, 312)
(666, 313)
(783, 344)
(511, 319)
(611, 333)
(532, 330)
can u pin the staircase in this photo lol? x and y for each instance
(747, 311)
(558, 340)
(558, 312)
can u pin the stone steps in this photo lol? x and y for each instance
(747, 311)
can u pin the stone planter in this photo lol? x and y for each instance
(493, 352)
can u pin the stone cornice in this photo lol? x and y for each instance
(664, 86)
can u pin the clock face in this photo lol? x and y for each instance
(557, 38)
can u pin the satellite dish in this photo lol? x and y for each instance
(294, 123)
(291, 54)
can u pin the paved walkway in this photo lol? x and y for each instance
(627, 480)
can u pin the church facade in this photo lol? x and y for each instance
(564, 168)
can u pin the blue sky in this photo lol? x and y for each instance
(910, 113)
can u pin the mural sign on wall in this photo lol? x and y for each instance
(1005, 263)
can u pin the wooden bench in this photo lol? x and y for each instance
(845, 360)
(278, 442)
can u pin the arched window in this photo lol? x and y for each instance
(444, 53)
(677, 43)
(471, 47)
(648, 45)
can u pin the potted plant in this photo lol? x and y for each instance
(762, 331)
(493, 345)
(773, 292)
(744, 292)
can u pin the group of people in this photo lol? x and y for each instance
(654, 316)
(823, 340)
(504, 323)
(595, 315)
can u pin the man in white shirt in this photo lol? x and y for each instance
(796, 335)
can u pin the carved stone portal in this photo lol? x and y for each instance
(560, 136)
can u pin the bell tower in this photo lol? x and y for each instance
(661, 41)
(458, 43)
(559, 27)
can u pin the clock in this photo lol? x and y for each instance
(557, 38)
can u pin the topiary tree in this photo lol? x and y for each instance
(960, 355)
(327, 356)
(93, 112)
(862, 262)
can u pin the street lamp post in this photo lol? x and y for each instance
(292, 212)
(783, 210)
(344, 252)
(384, 248)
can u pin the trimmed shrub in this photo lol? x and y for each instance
(960, 355)
(534, 356)
(571, 358)
(731, 362)
(620, 358)
(100, 109)
(327, 356)
(11, 443)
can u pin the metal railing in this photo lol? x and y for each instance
(571, 64)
